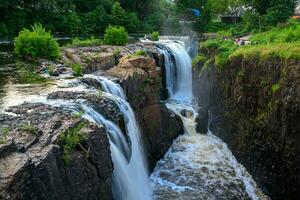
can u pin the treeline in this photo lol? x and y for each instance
(83, 16)
(137, 16)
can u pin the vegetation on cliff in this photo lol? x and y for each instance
(279, 42)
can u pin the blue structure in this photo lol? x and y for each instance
(196, 12)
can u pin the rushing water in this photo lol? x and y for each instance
(196, 166)
(130, 178)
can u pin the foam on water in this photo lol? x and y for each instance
(196, 166)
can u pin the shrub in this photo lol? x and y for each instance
(155, 36)
(77, 69)
(117, 52)
(276, 87)
(76, 42)
(116, 35)
(71, 139)
(198, 59)
(37, 43)
(140, 53)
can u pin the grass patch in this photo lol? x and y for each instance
(286, 51)
(76, 42)
(29, 128)
(4, 132)
(287, 34)
(218, 50)
(140, 53)
(71, 139)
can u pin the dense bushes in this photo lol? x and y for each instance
(37, 43)
(155, 36)
(116, 35)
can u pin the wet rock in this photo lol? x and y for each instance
(202, 121)
(32, 156)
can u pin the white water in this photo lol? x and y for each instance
(182, 83)
(130, 179)
(196, 166)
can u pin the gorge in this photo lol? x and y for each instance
(129, 130)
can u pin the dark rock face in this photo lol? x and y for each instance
(31, 157)
(202, 121)
(256, 110)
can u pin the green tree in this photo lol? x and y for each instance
(72, 22)
(118, 15)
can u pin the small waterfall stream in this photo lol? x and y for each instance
(196, 166)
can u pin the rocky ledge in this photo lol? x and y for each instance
(41, 157)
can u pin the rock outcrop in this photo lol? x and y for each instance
(255, 108)
(141, 80)
(35, 163)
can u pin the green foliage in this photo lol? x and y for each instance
(3, 30)
(116, 35)
(76, 42)
(71, 139)
(117, 52)
(119, 17)
(273, 11)
(290, 33)
(25, 74)
(3, 134)
(78, 114)
(96, 20)
(72, 23)
(80, 16)
(155, 36)
(198, 59)
(77, 69)
(37, 43)
(284, 51)
(220, 50)
(276, 87)
(29, 128)
(140, 53)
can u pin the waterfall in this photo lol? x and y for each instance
(196, 166)
(180, 86)
(130, 178)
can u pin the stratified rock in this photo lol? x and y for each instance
(31, 156)
(93, 58)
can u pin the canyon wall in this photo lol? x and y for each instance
(255, 108)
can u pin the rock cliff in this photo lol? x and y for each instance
(255, 107)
